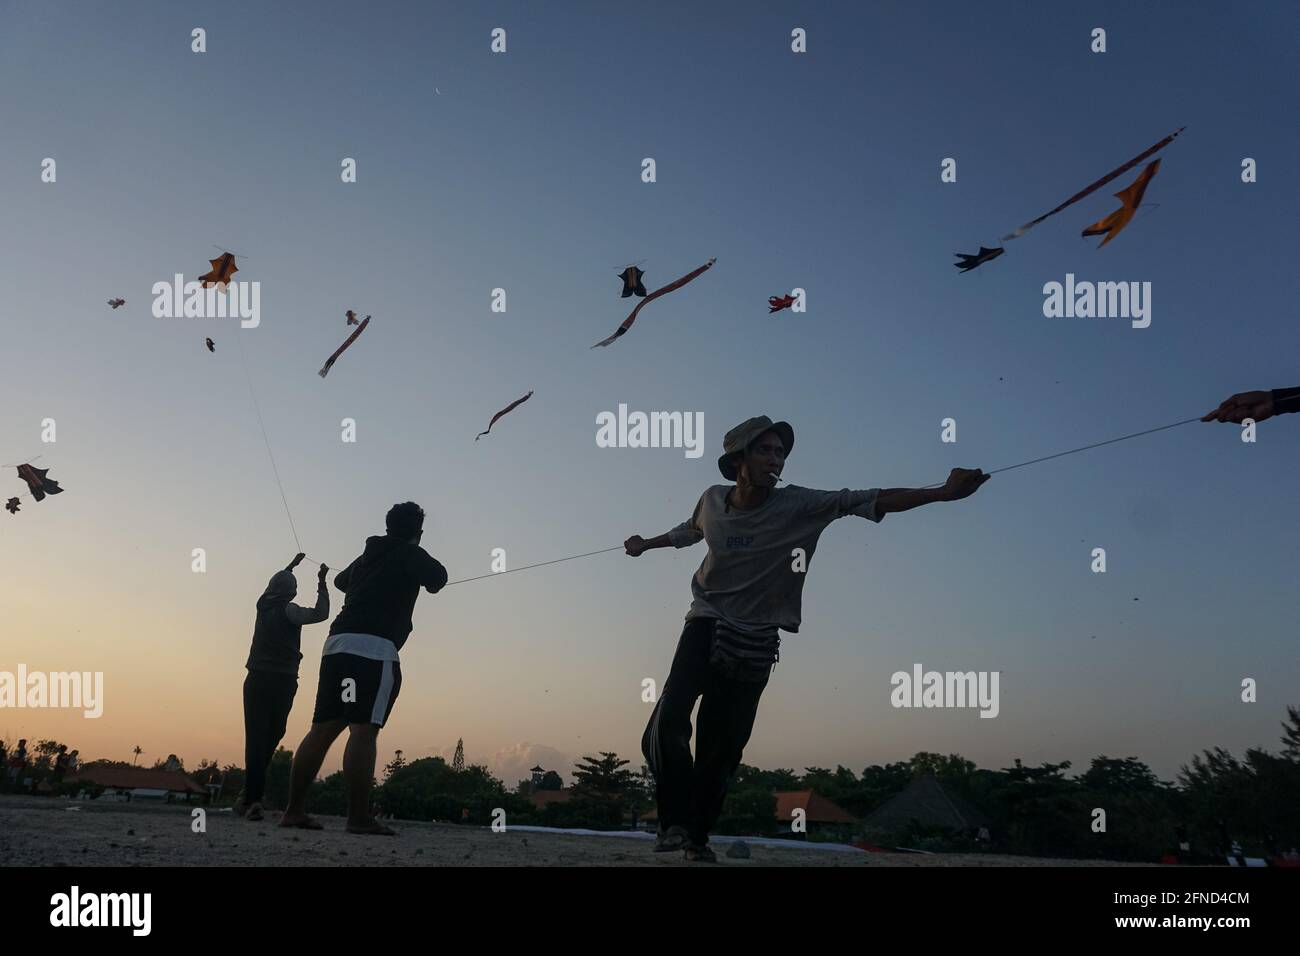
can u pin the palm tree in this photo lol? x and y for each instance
(137, 753)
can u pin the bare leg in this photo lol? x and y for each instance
(359, 778)
(306, 764)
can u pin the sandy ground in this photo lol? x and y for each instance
(46, 832)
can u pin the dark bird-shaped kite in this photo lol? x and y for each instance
(632, 282)
(505, 411)
(36, 481)
(352, 318)
(117, 303)
(212, 347)
(969, 262)
(775, 304)
(1130, 199)
(223, 267)
(11, 506)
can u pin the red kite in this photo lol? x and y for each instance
(775, 304)
(223, 267)
(505, 411)
(1130, 198)
(329, 362)
(627, 323)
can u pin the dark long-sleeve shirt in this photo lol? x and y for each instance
(1286, 400)
(277, 635)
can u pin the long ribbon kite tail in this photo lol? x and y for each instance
(627, 323)
(1095, 186)
(329, 362)
(505, 411)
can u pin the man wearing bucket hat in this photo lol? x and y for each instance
(748, 589)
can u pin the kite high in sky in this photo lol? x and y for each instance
(210, 344)
(1130, 199)
(632, 284)
(627, 323)
(223, 267)
(505, 411)
(1088, 190)
(11, 506)
(969, 262)
(351, 318)
(329, 362)
(117, 303)
(39, 485)
(777, 303)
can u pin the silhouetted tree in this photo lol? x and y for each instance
(458, 760)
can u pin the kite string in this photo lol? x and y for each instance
(266, 441)
(1022, 464)
(1074, 451)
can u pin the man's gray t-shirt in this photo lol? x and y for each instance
(749, 578)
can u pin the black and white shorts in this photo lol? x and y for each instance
(356, 689)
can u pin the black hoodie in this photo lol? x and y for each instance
(381, 586)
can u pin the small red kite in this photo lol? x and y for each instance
(777, 304)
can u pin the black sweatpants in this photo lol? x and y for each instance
(689, 792)
(268, 698)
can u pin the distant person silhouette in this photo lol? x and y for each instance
(749, 587)
(360, 674)
(272, 681)
(1259, 405)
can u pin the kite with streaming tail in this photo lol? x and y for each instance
(627, 323)
(39, 485)
(1088, 190)
(969, 262)
(775, 304)
(223, 267)
(329, 362)
(1130, 199)
(505, 411)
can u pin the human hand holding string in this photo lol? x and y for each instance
(1237, 408)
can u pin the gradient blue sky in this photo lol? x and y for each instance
(819, 171)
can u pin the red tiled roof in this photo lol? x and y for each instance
(540, 798)
(817, 809)
(137, 778)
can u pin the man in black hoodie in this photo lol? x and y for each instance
(272, 680)
(360, 674)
